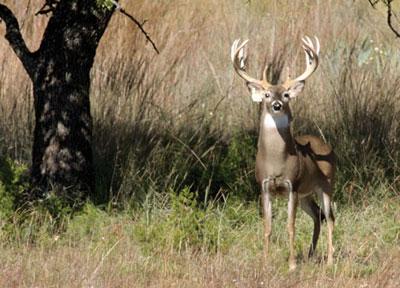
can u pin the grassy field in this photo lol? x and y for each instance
(175, 139)
(181, 246)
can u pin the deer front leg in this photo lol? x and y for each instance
(267, 213)
(292, 205)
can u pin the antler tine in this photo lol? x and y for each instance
(306, 40)
(311, 44)
(239, 59)
(318, 44)
(311, 61)
(309, 49)
(265, 73)
(233, 49)
(287, 74)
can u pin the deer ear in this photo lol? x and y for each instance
(296, 89)
(256, 91)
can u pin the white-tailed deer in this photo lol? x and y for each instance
(285, 165)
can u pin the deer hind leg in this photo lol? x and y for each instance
(292, 205)
(311, 208)
(267, 213)
(325, 196)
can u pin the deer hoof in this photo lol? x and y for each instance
(292, 265)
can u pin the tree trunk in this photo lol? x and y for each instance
(62, 153)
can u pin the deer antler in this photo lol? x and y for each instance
(239, 58)
(311, 61)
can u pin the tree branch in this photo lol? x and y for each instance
(388, 4)
(48, 7)
(138, 24)
(14, 37)
(389, 16)
(373, 3)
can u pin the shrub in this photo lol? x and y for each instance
(13, 182)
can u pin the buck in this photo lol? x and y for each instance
(285, 165)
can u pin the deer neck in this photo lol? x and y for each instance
(276, 137)
(276, 156)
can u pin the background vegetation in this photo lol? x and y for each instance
(175, 140)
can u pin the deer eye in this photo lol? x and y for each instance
(267, 94)
(286, 95)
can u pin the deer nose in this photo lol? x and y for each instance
(277, 106)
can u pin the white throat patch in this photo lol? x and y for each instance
(277, 122)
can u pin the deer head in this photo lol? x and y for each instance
(276, 97)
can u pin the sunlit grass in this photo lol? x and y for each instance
(102, 249)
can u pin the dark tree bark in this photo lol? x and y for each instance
(59, 70)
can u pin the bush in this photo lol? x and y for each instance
(13, 182)
(187, 224)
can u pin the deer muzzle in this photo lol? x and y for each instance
(277, 106)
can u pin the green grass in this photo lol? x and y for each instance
(179, 243)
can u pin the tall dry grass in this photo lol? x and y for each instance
(189, 101)
(191, 93)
